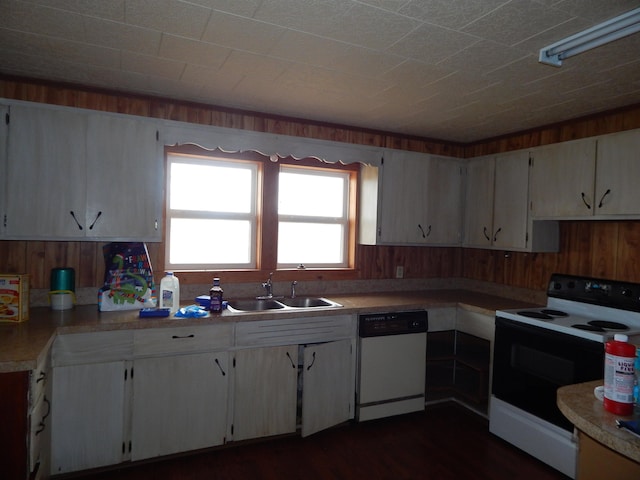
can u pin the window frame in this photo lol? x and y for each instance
(267, 218)
(251, 216)
(342, 221)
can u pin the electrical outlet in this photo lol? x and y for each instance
(399, 271)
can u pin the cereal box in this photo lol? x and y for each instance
(14, 298)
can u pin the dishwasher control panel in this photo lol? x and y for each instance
(395, 323)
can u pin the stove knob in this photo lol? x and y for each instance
(557, 285)
(626, 292)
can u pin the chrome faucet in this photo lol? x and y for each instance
(293, 289)
(268, 286)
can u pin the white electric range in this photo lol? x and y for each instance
(538, 350)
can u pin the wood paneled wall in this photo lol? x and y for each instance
(606, 249)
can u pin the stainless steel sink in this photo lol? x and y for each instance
(307, 302)
(296, 303)
(255, 305)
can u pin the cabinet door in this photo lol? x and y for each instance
(265, 392)
(403, 199)
(328, 385)
(618, 171)
(562, 180)
(479, 203)
(443, 216)
(179, 403)
(46, 191)
(88, 415)
(124, 178)
(510, 209)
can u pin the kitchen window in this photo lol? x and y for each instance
(246, 212)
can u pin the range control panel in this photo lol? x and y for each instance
(396, 323)
(596, 291)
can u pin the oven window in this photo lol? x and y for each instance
(531, 363)
(550, 368)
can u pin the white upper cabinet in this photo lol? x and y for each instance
(562, 180)
(497, 208)
(124, 178)
(412, 199)
(46, 188)
(479, 202)
(591, 178)
(75, 174)
(617, 175)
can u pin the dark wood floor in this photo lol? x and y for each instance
(445, 442)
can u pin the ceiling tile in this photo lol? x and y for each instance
(432, 44)
(516, 21)
(447, 13)
(171, 16)
(241, 33)
(191, 51)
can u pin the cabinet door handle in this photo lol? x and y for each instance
(603, 197)
(220, 367)
(486, 235)
(495, 235)
(183, 336)
(313, 360)
(95, 220)
(422, 230)
(584, 200)
(42, 425)
(42, 377)
(73, 215)
(291, 360)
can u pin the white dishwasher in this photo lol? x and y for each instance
(391, 364)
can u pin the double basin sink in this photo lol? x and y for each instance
(295, 303)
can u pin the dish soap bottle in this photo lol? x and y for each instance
(215, 296)
(170, 292)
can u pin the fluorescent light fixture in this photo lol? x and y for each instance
(614, 29)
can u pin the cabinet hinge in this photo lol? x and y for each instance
(4, 222)
(157, 135)
(234, 362)
(123, 448)
(6, 118)
(381, 160)
(232, 429)
(129, 446)
(126, 370)
(131, 373)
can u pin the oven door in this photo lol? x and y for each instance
(531, 363)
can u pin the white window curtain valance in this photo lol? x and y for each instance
(269, 144)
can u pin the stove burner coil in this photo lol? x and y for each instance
(606, 325)
(533, 314)
(590, 328)
(600, 326)
(555, 313)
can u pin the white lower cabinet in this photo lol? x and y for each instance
(327, 385)
(265, 391)
(130, 395)
(179, 403)
(88, 409)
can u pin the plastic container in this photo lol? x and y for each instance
(636, 386)
(215, 296)
(170, 292)
(619, 375)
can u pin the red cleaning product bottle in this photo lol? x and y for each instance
(619, 375)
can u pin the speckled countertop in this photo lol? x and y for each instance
(587, 414)
(23, 344)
